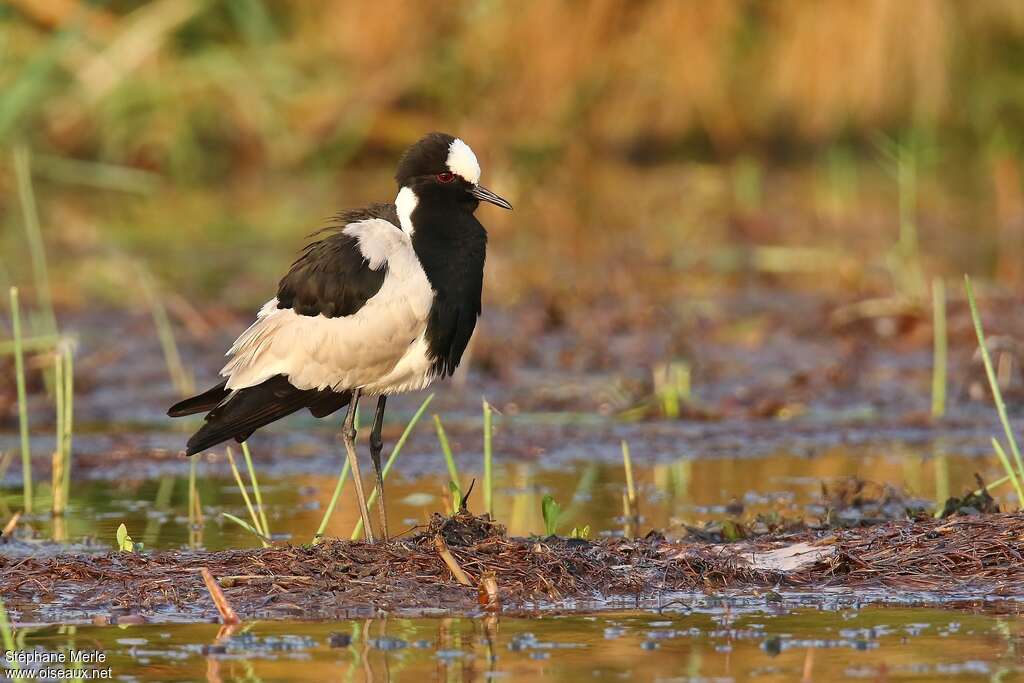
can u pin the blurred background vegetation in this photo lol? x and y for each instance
(654, 150)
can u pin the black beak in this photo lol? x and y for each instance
(483, 194)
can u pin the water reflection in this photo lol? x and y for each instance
(671, 494)
(709, 639)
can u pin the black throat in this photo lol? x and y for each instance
(451, 245)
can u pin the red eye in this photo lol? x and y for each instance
(446, 177)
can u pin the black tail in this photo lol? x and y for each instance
(200, 403)
(249, 409)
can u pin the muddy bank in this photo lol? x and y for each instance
(978, 555)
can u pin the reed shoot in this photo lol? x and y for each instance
(180, 377)
(7, 634)
(627, 462)
(57, 470)
(63, 391)
(1009, 468)
(255, 527)
(68, 390)
(264, 527)
(342, 478)
(34, 235)
(940, 348)
(672, 387)
(195, 507)
(488, 459)
(997, 394)
(19, 375)
(449, 459)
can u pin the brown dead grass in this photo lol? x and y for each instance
(338, 579)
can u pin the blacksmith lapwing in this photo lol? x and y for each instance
(384, 302)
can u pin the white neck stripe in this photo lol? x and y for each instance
(405, 204)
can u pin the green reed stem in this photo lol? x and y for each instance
(488, 459)
(40, 343)
(940, 348)
(7, 634)
(342, 478)
(627, 462)
(449, 459)
(19, 374)
(193, 492)
(998, 482)
(265, 528)
(69, 418)
(245, 497)
(37, 251)
(180, 377)
(57, 478)
(248, 527)
(997, 395)
(357, 532)
(1005, 461)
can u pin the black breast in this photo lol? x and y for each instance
(451, 248)
(331, 277)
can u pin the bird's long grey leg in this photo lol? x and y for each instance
(348, 435)
(376, 444)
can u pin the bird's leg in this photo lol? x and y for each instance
(348, 435)
(376, 444)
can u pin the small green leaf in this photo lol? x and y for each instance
(551, 512)
(456, 496)
(732, 531)
(123, 538)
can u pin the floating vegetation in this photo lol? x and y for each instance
(912, 555)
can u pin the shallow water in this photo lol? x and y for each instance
(733, 636)
(708, 641)
(672, 494)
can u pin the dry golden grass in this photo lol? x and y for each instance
(273, 82)
(569, 104)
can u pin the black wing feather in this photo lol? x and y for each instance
(200, 403)
(251, 408)
(331, 277)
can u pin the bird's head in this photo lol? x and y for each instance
(443, 169)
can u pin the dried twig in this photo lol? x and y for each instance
(449, 559)
(227, 614)
(11, 524)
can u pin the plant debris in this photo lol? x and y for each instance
(339, 579)
(972, 503)
(851, 502)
